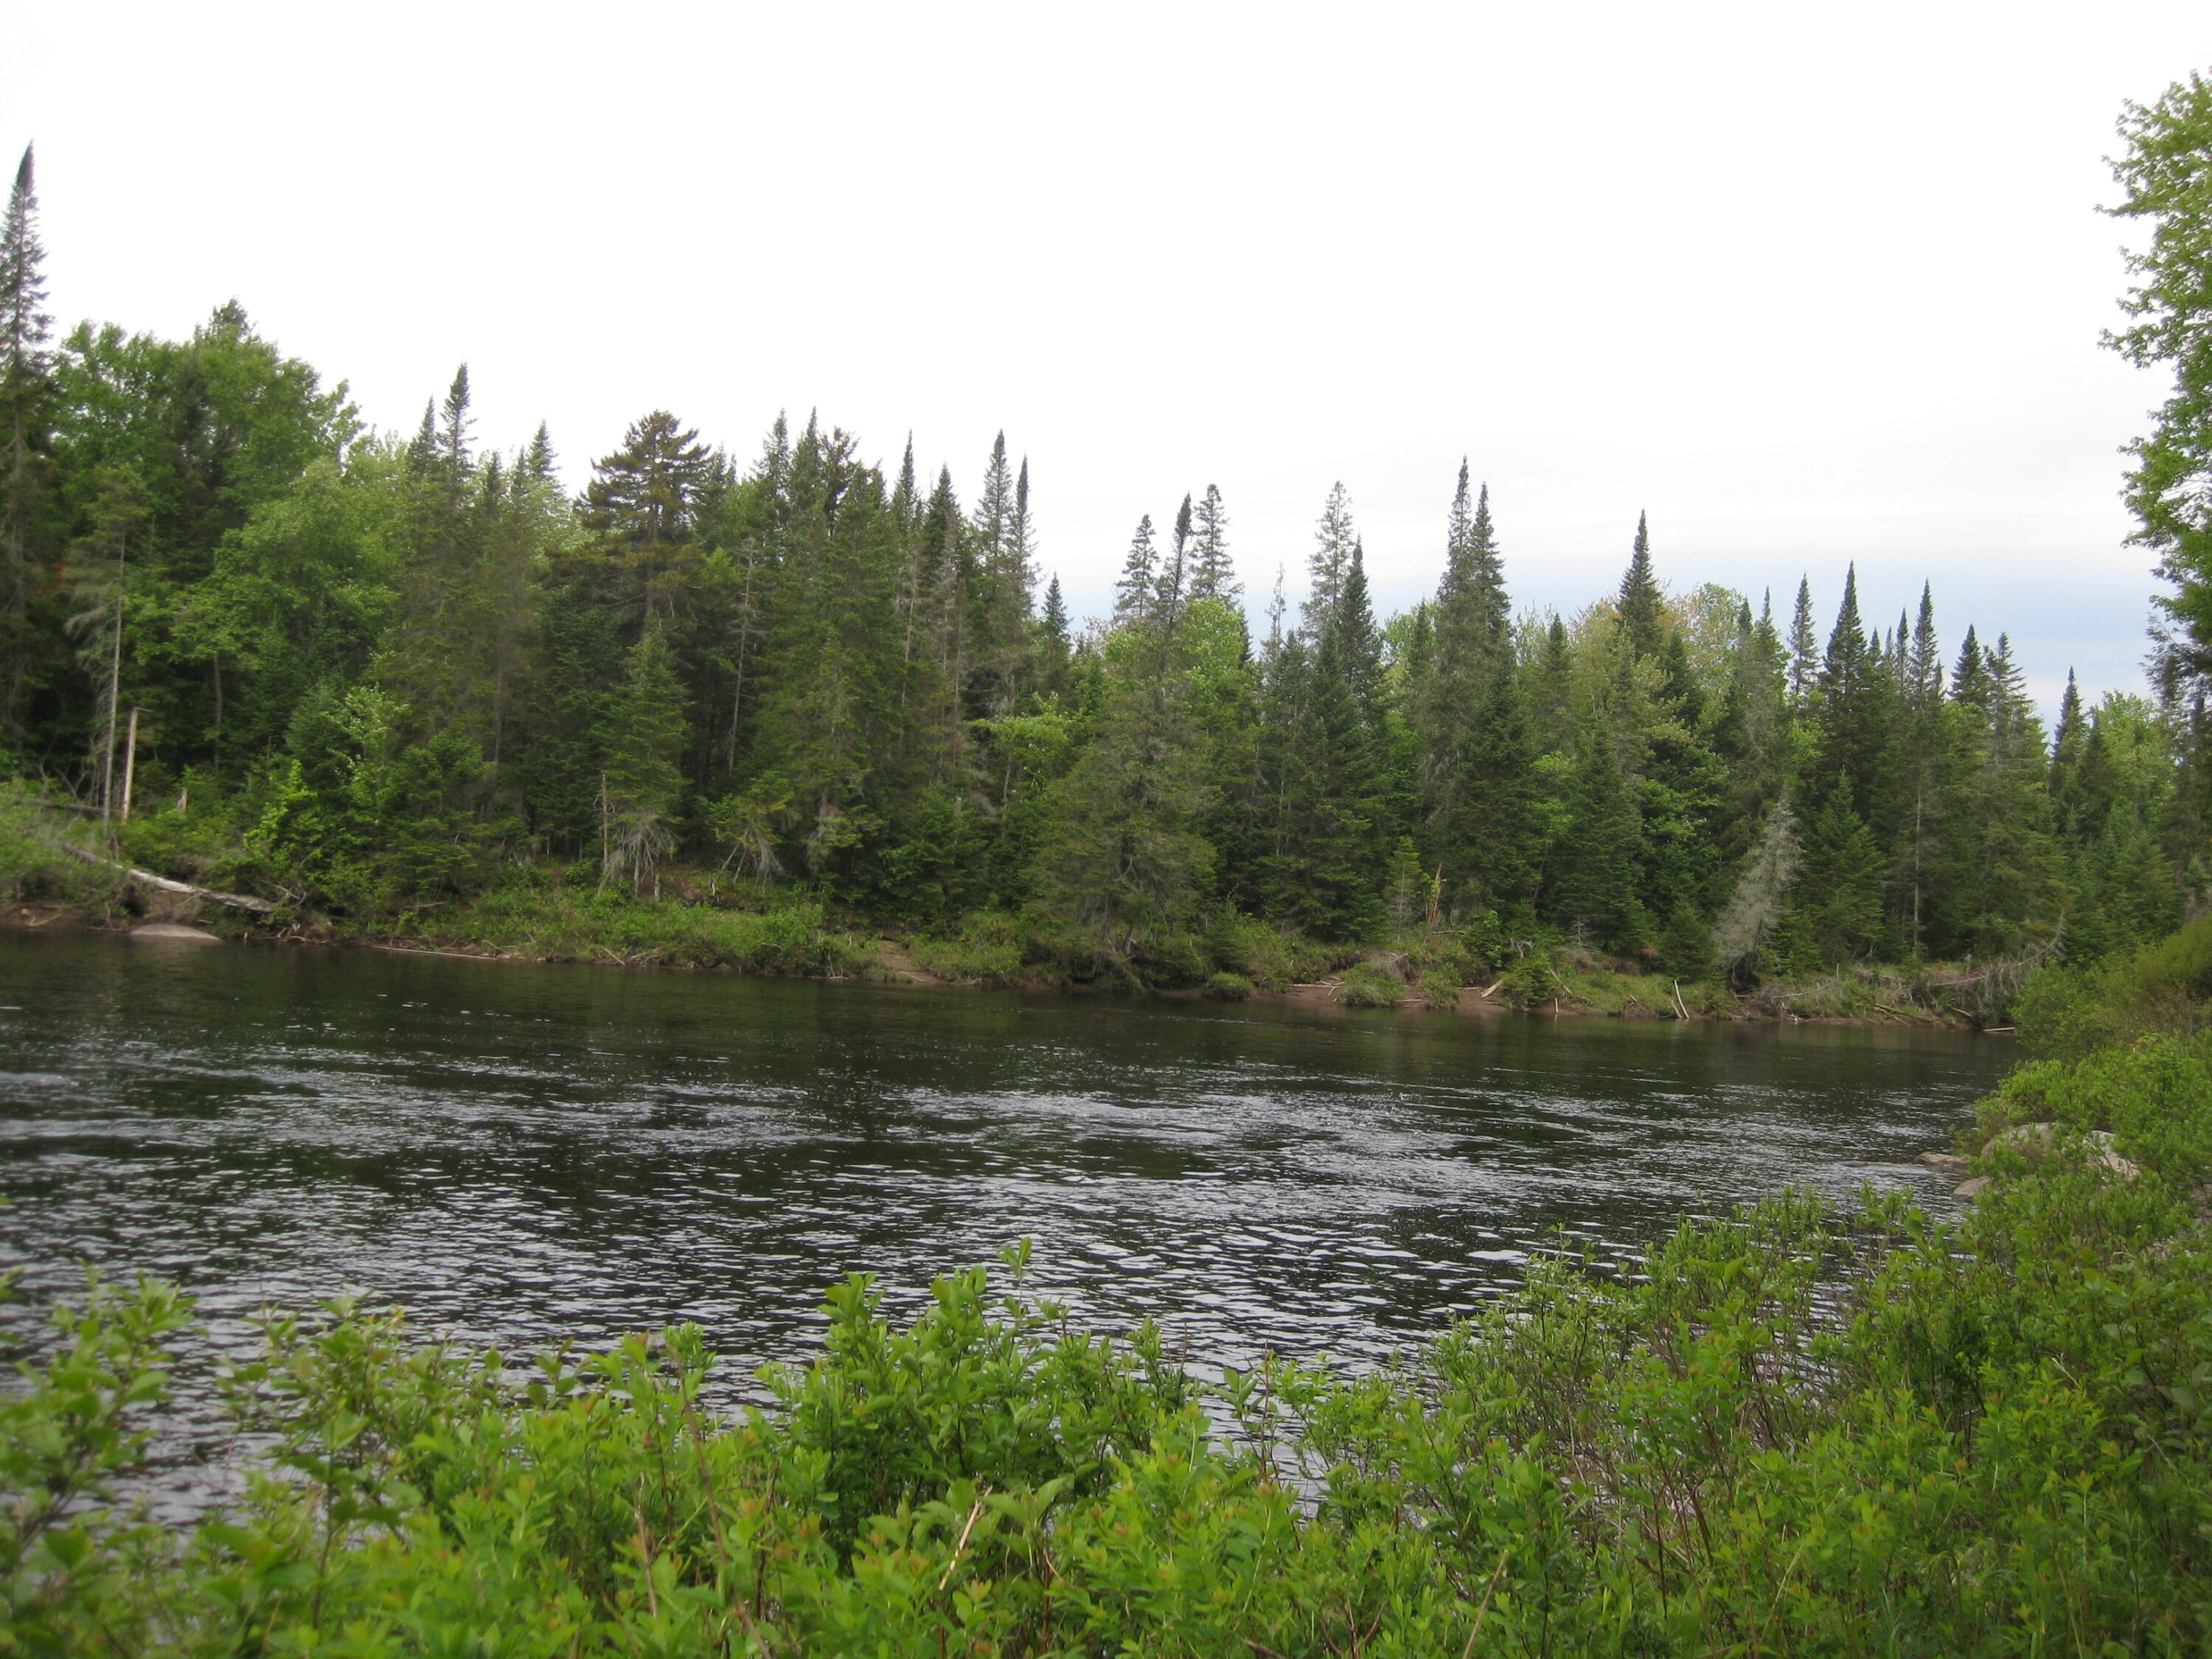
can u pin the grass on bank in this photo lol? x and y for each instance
(1793, 1431)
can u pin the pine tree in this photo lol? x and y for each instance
(1123, 856)
(1643, 612)
(1970, 674)
(1474, 780)
(1333, 540)
(453, 431)
(1003, 581)
(26, 396)
(1838, 897)
(643, 499)
(1055, 616)
(1592, 885)
(1138, 588)
(1860, 759)
(641, 781)
(1923, 670)
(1551, 691)
(2066, 742)
(1213, 574)
(1804, 647)
(1174, 576)
(538, 461)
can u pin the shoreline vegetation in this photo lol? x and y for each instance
(552, 920)
(1789, 1431)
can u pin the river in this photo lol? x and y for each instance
(520, 1153)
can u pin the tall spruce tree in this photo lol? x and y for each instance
(27, 394)
(1804, 647)
(1474, 781)
(1334, 537)
(1643, 610)
(641, 781)
(1213, 574)
(1138, 587)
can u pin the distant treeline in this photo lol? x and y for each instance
(369, 673)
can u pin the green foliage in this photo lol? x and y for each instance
(2160, 988)
(991, 949)
(1371, 985)
(2166, 171)
(33, 866)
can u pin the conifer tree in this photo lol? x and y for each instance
(1924, 672)
(1135, 593)
(999, 533)
(2066, 741)
(1592, 885)
(1335, 537)
(26, 394)
(644, 500)
(1214, 574)
(1804, 647)
(538, 462)
(1323, 827)
(1055, 616)
(1642, 610)
(641, 779)
(1473, 773)
(1123, 857)
(1174, 577)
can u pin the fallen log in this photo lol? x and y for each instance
(259, 907)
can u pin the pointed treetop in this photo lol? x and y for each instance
(1021, 539)
(1643, 612)
(1056, 613)
(424, 450)
(1969, 681)
(24, 324)
(1173, 570)
(453, 431)
(1471, 597)
(1213, 575)
(1334, 537)
(538, 461)
(1132, 594)
(1804, 644)
(2066, 738)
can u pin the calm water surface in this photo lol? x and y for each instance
(518, 1152)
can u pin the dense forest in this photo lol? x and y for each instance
(366, 674)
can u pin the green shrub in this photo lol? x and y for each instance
(1371, 985)
(1229, 987)
(33, 867)
(971, 961)
(1269, 957)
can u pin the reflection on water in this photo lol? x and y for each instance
(519, 1152)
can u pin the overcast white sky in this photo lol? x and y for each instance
(1811, 284)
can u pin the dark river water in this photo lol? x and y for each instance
(520, 1153)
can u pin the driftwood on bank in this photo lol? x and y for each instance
(259, 907)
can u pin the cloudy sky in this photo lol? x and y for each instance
(1810, 285)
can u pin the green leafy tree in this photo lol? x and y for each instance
(2166, 174)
